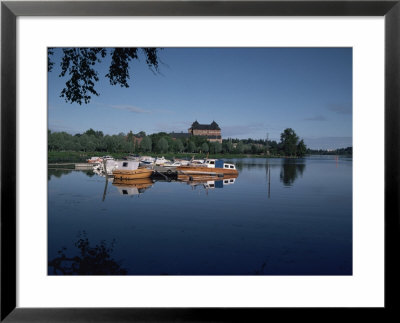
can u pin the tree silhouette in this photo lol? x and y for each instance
(289, 141)
(90, 261)
(79, 64)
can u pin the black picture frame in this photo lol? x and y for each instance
(10, 10)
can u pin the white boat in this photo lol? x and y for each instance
(209, 166)
(96, 160)
(197, 161)
(111, 164)
(147, 160)
(172, 164)
(161, 161)
(183, 162)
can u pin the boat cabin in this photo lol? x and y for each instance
(126, 165)
(219, 163)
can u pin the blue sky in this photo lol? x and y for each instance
(249, 92)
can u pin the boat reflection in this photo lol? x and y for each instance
(208, 182)
(132, 186)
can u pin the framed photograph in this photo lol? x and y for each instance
(197, 161)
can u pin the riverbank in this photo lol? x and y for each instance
(81, 157)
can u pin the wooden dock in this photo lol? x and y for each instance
(72, 166)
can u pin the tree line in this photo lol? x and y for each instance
(95, 141)
(348, 151)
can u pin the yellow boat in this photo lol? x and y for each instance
(132, 174)
(130, 170)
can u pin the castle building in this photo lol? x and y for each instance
(211, 131)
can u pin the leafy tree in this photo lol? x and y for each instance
(191, 147)
(240, 147)
(215, 147)
(130, 136)
(90, 132)
(204, 148)
(178, 145)
(79, 64)
(227, 146)
(289, 141)
(146, 144)
(301, 148)
(162, 145)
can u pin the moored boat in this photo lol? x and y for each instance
(147, 160)
(160, 161)
(130, 170)
(172, 164)
(94, 160)
(210, 166)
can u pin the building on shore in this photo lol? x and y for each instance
(211, 131)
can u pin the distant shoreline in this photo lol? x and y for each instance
(81, 157)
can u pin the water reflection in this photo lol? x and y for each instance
(133, 186)
(91, 260)
(59, 172)
(255, 226)
(207, 182)
(290, 171)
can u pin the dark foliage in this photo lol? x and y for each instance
(94, 260)
(79, 64)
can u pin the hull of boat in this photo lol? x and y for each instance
(132, 174)
(193, 170)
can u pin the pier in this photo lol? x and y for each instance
(71, 166)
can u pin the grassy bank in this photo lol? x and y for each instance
(81, 157)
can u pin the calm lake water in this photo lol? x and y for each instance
(278, 217)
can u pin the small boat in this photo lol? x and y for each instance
(161, 161)
(209, 167)
(183, 162)
(110, 163)
(94, 160)
(130, 170)
(147, 160)
(172, 164)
